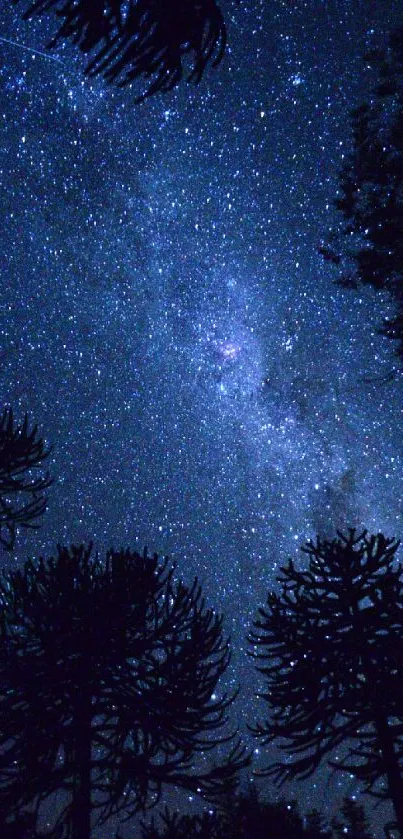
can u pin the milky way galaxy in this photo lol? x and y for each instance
(166, 317)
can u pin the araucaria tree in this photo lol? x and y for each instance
(140, 39)
(370, 197)
(108, 687)
(330, 647)
(22, 480)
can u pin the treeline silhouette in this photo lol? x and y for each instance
(246, 816)
(110, 672)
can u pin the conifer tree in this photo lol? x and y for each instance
(109, 676)
(330, 647)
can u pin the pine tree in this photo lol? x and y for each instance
(331, 651)
(109, 677)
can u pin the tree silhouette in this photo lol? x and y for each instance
(22, 499)
(248, 817)
(314, 827)
(331, 651)
(267, 820)
(354, 822)
(175, 826)
(141, 38)
(370, 196)
(108, 680)
(22, 828)
(251, 818)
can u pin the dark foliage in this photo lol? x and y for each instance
(174, 826)
(108, 673)
(369, 247)
(353, 821)
(140, 39)
(314, 827)
(329, 643)
(266, 820)
(22, 828)
(22, 499)
(244, 817)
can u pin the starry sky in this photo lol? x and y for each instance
(166, 318)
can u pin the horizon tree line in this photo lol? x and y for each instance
(246, 815)
(110, 681)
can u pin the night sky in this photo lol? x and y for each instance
(168, 322)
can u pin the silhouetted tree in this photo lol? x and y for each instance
(370, 195)
(22, 828)
(353, 823)
(108, 681)
(314, 826)
(22, 499)
(331, 645)
(247, 818)
(267, 820)
(141, 38)
(175, 826)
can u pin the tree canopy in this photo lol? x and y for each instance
(327, 645)
(109, 676)
(22, 489)
(247, 817)
(353, 821)
(140, 39)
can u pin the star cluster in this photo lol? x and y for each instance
(166, 318)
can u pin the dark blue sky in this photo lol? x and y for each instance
(165, 316)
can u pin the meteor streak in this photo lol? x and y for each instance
(30, 49)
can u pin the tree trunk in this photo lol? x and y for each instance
(392, 769)
(81, 805)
